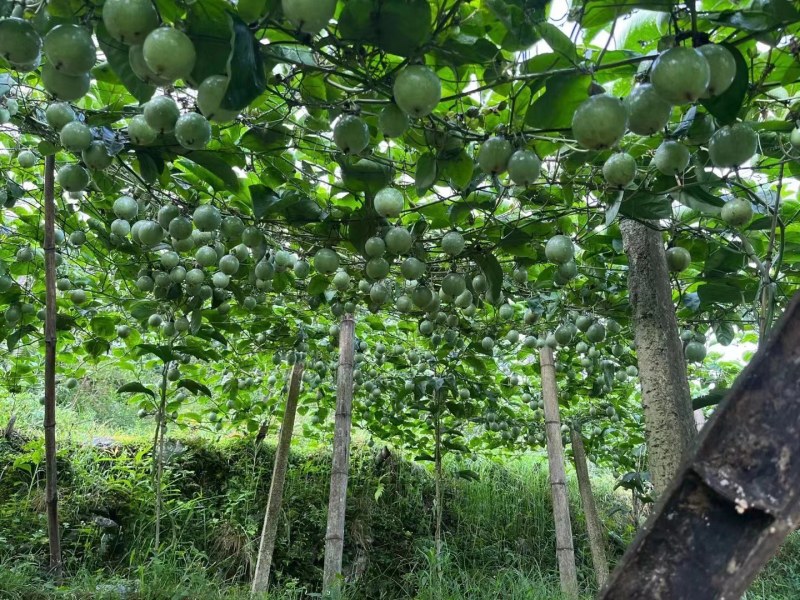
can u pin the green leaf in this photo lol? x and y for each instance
(726, 106)
(142, 309)
(265, 139)
(163, 352)
(198, 389)
(458, 170)
(211, 162)
(103, 326)
(646, 206)
(724, 333)
(468, 474)
(562, 96)
(710, 399)
(97, 346)
(317, 285)
(263, 198)
(247, 80)
(210, 27)
(493, 272)
(557, 40)
(134, 387)
(426, 173)
(117, 55)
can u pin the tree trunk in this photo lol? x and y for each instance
(270, 531)
(50, 340)
(437, 455)
(666, 400)
(337, 502)
(158, 452)
(565, 551)
(593, 525)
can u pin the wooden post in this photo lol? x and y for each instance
(593, 525)
(50, 340)
(565, 552)
(270, 530)
(337, 502)
(734, 502)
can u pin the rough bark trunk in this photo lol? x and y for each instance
(439, 500)
(593, 525)
(158, 452)
(50, 340)
(732, 505)
(666, 400)
(270, 530)
(565, 552)
(337, 502)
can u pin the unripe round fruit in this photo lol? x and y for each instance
(737, 211)
(678, 259)
(206, 256)
(210, 95)
(341, 281)
(58, 114)
(161, 114)
(73, 178)
(129, 21)
(309, 16)
(96, 156)
(600, 122)
(193, 131)
(75, 136)
(63, 86)
(695, 352)
(417, 91)
(126, 208)
(559, 249)
(378, 293)
(70, 49)
(453, 284)
(377, 268)
(140, 132)
(220, 280)
(794, 138)
(722, 68)
(120, 227)
(487, 344)
(732, 145)
(680, 75)
(326, 261)
(195, 277)
(375, 247)
(453, 243)
(392, 121)
(207, 217)
(141, 70)
(150, 233)
(596, 333)
(671, 158)
(77, 296)
(567, 271)
(301, 269)
(701, 129)
(619, 169)
(494, 155)
(351, 134)
(524, 167)
(389, 202)
(506, 312)
(421, 297)
(229, 264)
(26, 159)
(169, 53)
(19, 43)
(398, 240)
(412, 268)
(648, 112)
(180, 228)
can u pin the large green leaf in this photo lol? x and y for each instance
(245, 69)
(726, 106)
(562, 96)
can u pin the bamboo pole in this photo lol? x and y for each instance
(50, 350)
(593, 525)
(337, 502)
(565, 552)
(270, 530)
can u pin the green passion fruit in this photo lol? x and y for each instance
(681, 75)
(619, 170)
(351, 134)
(19, 43)
(678, 259)
(648, 112)
(600, 122)
(70, 49)
(524, 167)
(722, 68)
(732, 145)
(129, 21)
(494, 155)
(169, 53)
(559, 249)
(417, 91)
(309, 16)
